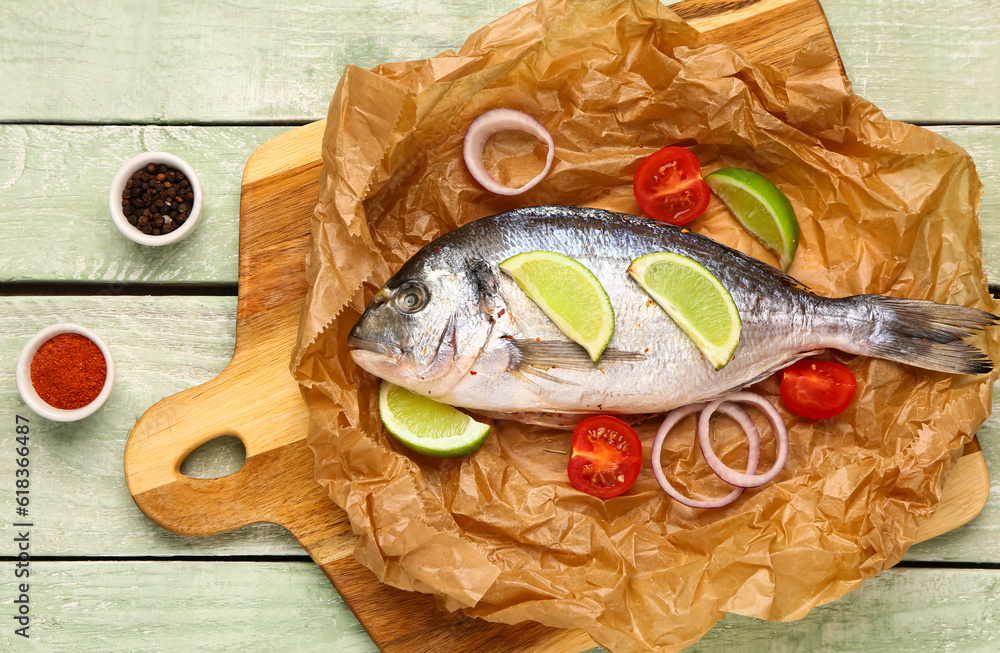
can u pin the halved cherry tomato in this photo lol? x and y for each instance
(606, 458)
(668, 186)
(817, 389)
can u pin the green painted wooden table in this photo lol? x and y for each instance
(86, 84)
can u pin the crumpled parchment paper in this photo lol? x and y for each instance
(884, 208)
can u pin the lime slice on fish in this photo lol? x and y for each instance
(761, 208)
(428, 426)
(569, 294)
(695, 299)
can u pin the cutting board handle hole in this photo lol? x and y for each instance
(216, 458)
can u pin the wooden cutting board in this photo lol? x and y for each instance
(256, 399)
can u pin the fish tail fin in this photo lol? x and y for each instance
(924, 334)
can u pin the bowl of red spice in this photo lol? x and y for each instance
(155, 198)
(65, 372)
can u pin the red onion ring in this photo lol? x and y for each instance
(498, 120)
(671, 420)
(728, 474)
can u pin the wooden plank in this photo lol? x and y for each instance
(921, 60)
(181, 606)
(280, 65)
(194, 61)
(289, 606)
(161, 345)
(49, 209)
(54, 183)
(80, 491)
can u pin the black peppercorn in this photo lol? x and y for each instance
(154, 199)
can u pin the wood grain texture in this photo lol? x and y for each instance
(54, 187)
(911, 610)
(147, 606)
(49, 210)
(278, 65)
(276, 484)
(764, 30)
(45, 204)
(112, 607)
(249, 61)
(161, 346)
(922, 61)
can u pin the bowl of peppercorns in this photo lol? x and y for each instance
(155, 199)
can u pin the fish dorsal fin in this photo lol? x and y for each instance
(567, 355)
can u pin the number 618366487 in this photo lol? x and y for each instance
(21, 438)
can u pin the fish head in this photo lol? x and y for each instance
(425, 327)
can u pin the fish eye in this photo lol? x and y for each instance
(411, 297)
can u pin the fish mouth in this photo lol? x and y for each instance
(374, 347)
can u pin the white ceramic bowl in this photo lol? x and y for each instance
(23, 374)
(118, 185)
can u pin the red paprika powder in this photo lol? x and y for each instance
(68, 371)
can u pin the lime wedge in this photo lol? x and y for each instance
(695, 299)
(761, 208)
(428, 426)
(569, 294)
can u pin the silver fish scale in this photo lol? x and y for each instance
(673, 372)
(479, 342)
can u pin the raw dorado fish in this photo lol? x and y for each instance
(450, 325)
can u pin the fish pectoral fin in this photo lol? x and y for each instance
(523, 372)
(567, 355)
